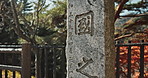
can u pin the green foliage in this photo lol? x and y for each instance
(57, 23)
(8, 35)
(27, 6)
(58, 14)
(36, 22)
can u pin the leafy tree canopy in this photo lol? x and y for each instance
(33, 21)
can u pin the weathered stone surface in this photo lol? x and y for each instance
(89, 39)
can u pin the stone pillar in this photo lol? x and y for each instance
(90, 44)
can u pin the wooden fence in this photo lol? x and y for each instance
(11, 64)
(132, 58)
(50, 61)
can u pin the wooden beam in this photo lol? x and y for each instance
(10, 67)
(26, 61)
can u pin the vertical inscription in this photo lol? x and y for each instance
(91, 2)
(83, 66)
(84, 23)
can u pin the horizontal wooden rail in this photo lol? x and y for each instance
(131, 44)
(50, 46)
(10, 52)
(10, 46)
(10, 67)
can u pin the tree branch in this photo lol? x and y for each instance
(137, 15)
(17, 27)
(28, 26)
(124, 36)
(1, 6)
(119, 9)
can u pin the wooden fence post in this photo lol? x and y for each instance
(1, 61)
(63, 67)
(26, 61)
(38, 58)
(141, 61)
